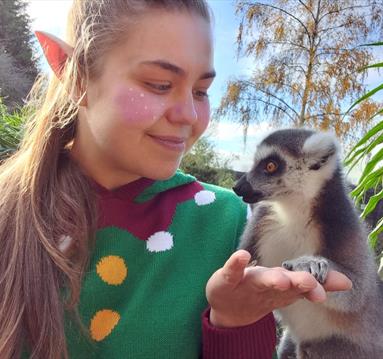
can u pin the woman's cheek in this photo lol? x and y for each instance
(138, 108)
(203, 112)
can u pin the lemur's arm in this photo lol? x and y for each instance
(343, 301)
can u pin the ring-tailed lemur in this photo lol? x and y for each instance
(304, 220)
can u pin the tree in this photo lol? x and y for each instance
(16, 51)
(14, 84)
(308, 60)
(204, 163)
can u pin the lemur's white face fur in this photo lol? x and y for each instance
(293, 162)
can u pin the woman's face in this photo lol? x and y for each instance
(149, 104)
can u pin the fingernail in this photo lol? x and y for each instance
(305, 287)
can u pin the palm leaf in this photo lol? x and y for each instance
(373, 44)
(378, 65)
(373, 237)
(365, 97)
(374, 200)
(371, 133)
(372, 175)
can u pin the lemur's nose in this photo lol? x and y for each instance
(243, 189)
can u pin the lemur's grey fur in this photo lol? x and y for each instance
(303, 219)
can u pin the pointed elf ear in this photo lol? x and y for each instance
(56, 51)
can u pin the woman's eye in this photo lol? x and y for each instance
(201, 93)
(271, 167)
(159, 87)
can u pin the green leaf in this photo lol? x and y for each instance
(365, 96)
(368, 181)
(371, 147)
(378, 65)
(355, 157)
(373, 44)
(377, 158)
(372, 132)
(373, 237)
(372, 202)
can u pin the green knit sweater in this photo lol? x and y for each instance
(157, 245)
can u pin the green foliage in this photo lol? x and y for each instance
(11, 128)
(204, 163)
(370, 148)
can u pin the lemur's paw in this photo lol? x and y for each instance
(317, 266)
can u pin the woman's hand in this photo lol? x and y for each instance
(240, 294)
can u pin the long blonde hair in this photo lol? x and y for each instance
(46, 199)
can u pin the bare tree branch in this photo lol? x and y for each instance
(271, 104)
(251, 84)
(282, 84)
(334, 51)
(285, 12)
(287, 43)
(326, 114)
(343, 9)
(307, 8)
(324, 31)
(295, 66)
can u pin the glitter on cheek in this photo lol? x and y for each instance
(137, 108)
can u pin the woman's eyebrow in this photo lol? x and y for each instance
(165, 65)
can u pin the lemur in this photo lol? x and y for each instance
(303, 220)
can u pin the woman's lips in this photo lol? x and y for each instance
(171, 142)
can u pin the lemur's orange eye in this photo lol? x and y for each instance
(271, 167)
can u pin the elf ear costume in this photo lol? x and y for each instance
(56, 51)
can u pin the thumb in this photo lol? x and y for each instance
(234, 268)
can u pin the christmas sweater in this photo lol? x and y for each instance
(157, 244)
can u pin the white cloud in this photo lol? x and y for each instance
(239, 161)
(228, 140)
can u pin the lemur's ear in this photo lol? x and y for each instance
(319, 148)
(56, 51)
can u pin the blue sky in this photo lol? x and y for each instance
(50, 15)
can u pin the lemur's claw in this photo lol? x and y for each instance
(317, 266)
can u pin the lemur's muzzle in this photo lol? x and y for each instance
(243, 189)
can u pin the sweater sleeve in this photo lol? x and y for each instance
(255, 341)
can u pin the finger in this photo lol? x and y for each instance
(269, 278)
(302, 281)
(337, 281)
(233, 270)
(317, 295)
(308, 286)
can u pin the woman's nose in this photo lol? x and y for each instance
(183, 111)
